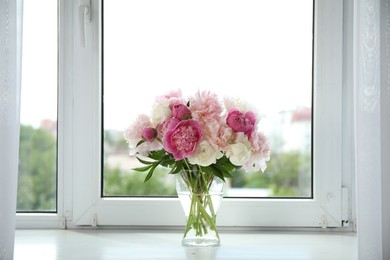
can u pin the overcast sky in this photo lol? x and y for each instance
(257, 50)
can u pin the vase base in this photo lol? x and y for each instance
(200, 242)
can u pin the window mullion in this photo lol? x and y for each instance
(86, 118)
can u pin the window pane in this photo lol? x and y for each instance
(38, 141)
(254, 50)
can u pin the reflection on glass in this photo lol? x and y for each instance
(38, 132)
(252, 50)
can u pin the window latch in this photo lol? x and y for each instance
(84, 18)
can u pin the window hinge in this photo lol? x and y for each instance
(354, 225)
(323, 222)
(94, 220)
(63, 222)
(344, 207)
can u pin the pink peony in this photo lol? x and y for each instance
(205, 107)
(218, 134)
(149, 134)
(183, 139)
(240, 122)
(181, 111)
(251, 117)
(164, 126)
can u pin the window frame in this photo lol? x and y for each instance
(65, 59)
(323, 209)
(80, 136)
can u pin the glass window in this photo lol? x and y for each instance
(80, 182)
(38, 133)
(253, 50)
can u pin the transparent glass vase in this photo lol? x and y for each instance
(200, 195)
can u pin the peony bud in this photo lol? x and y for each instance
(240, 122)
(181, 112)
(149, 134)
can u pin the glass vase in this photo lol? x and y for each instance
(200, 195)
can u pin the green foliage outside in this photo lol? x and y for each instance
(287, 174)
(285, 171)
(121, 183)
(282, 177)
(37, 170)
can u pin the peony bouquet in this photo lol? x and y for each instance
(201, 137)
(198, 132)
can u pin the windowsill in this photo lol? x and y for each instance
(136, 244)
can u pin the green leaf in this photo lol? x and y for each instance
(157, 155)
(150, 174)
(167, 160)
(225, 173)
(142, 169)
(177, 168)
(213, 170)
(217, 172)
(144, 162)
(226, 164)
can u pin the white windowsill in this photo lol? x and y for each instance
(136, 244)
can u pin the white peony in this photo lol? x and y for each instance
(238, 153)
(255, 163)
(145, 148)
(160, 113)
(204, 154)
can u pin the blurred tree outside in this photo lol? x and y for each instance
(124, 183)
(120, 180)
(37, 170)
(288, 174)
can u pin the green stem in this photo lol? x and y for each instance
(198, 219)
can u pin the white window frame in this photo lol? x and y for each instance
(79, 142)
